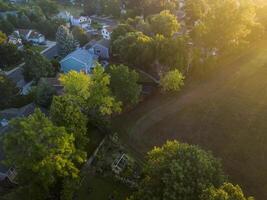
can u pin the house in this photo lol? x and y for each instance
(18, 1)
(82, 21)
(29, 35)
(100, 48)
(15, 40)
(107, 31)
(81, 60)
(5, 14)
(55, 83)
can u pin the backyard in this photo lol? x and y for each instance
(226, 114)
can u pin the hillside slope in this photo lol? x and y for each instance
(226, 114)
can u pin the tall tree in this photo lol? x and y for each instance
(80, 35)
(44, 93)
(65, 111)
(101, 101)
(134, 49)
(65, 40)
(225, 26)
(43, 155)
(178, 171)
(9, 91)
(164, 23)
(10, 55)
(225, 192)
(76, 84)
(36, 66)
(124, 84)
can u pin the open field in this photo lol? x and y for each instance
(226, 113)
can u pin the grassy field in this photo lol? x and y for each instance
(226, 113)
(99, 188)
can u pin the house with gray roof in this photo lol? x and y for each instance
(80, 60)
(101, 48)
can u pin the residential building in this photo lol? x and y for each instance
(106, 32)
(82, 21)
(100, 48)
(29, 35)
(65, 15)
(81, 60)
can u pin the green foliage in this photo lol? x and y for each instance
(170, 52)
(178, 171)
(134, 49)
(80, 35)
(36, 66)
(10, 55)
(164, 24)
(120, 31)
(6, 26)
(123, 84)
(8, 93)
(224, 26)
(65, 40)
(172, 81)
(3, 38)
(65, 111)
(76, 84)
(101, 101)
(44, 94)
(226, 192)
(49, 7)
(42, 154)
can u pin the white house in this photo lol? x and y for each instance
(106, 32)
(29, 35)
(82, 21)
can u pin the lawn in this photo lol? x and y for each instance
(225, 113)
(99, 188)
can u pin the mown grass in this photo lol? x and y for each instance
(226, 113)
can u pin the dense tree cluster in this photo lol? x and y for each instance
(44, 155)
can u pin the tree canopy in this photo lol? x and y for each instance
(172, 81)
(9, 91)
(227, 191)
(43, 155)
(178, 171)
(36, 66)
(164, 23)
(124, 84)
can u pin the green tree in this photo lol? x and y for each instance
(170, 52)
(49, 7)
(101, 101)
(134, 49)
(225, 26)
(44, 94)
(3, 38)
(124, 84)
(164, 23)
(226, 192)
(120, 31)
(76, 84)
(36, 66)
(65, 111)
(42, 154)
(80, 35)
(6, 26)
(8, 93)
(172, 81)
(66, 41)
(178, 171)
(10, 55)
